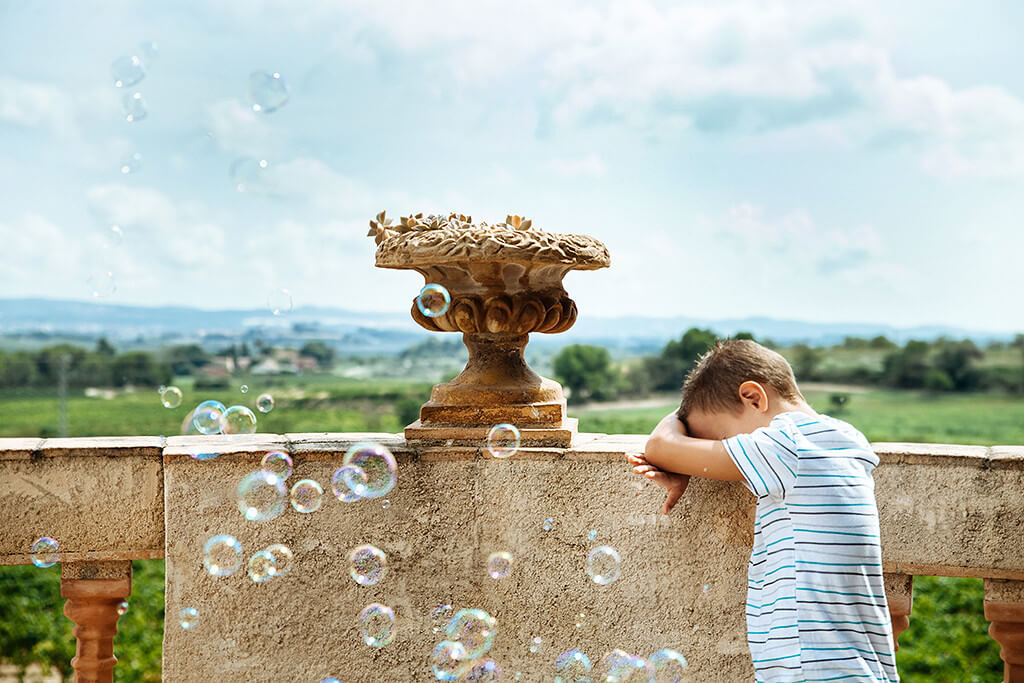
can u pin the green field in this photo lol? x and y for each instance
(947, 640)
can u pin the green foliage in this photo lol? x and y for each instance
(907, 367)
(587, 371)
(320, 351)
(937, 380)
(668, 370)
(32, 627)
(805, 362)
(186, 359)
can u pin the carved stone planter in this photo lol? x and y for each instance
(505, 282)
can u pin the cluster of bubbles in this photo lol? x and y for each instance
(222, 556)
(267, 93)
(469, 635)
(129, 70)
(663, 666)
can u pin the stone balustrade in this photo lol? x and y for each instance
(945, 510)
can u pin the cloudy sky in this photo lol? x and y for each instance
(820, 161)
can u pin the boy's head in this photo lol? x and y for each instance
(736, 387)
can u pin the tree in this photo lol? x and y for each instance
(323, 353)
(749, 336)
(1018, 343)
(906, 368)
(956, 359)
(18, 370)
(186, 359)
(938, 380)
(668, 370)
(587, 371)
(139, 368)
(805, 362)
(105, 348)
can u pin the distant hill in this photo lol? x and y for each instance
(386, 332)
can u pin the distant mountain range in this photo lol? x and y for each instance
(355, 330)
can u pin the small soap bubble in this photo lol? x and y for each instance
(623, 667)
(239, 420)
(148, 53)
(222, 555)
(244, 388)
(503, 440)
(379, 466)
(261, 567)
(279, 301)
(282, 555)
(100, 282)
(189, 618)
(549, 524)
(307, 496)
(433, 300)
(368, 564)
(483, 670)
(603, 565)
(278, 463)
(705, 588)
(581, 619)
(349, 483)
(330, 679)
(377, 624)
(261, 496)
(448, 661)
(133, 106)
(44, 552)
(668, 666)
(131, 162)
(252, 176)
(122, 607)
(475, 629)
(536, 645)
(385, 504)
(499, 565)
(208, 417)
(573, 666)
(265, 403)
(267, 92)
(592, 535)
(170, 397)
(127, 71)
(115, 236)
(440, 616)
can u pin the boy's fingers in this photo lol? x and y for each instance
(671, 499)
(641, 469)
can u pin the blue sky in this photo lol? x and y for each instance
(820, 161)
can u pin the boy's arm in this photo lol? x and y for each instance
(670, 449)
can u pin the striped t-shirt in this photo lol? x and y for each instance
(816, 608)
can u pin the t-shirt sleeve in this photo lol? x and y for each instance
(767, 459)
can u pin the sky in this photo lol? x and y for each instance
(832, 161)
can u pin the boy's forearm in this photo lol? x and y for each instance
(669, 448)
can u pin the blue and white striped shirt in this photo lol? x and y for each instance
(816, 608)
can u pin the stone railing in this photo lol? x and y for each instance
(945, 510)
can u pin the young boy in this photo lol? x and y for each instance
(816, 608)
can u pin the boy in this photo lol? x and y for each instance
(816, 608)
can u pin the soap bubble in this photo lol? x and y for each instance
(330, 679)
(603, 565)
(592, 535)
(278, 463)
(440, 616)
(483, 670)
(448, 660)
(307, 496)
(222, 555)
(252, 176)
(189, 618)
(499, 565)
(115, 236)
(549, 524)
(385, 504)
(536, 645)
(239, 420)
(122, 607)
(133, 106)
(170, 397)
(705, 588)
(433, 300)
(503, 440)
(100, 282)
(265, 403)
(261, 496)
(208, 417)
(573, 666)
(244, 388)
(261, 567)
(282, 555)
(475, 629)
(619, 666)
(368, 565)
(127, 71)
(131, 162)
(148, 53)
(44, 552)
(668, 666)
(349, 483)
(279, 301)
(379, 466)
(581, 619)
(267, 91)
(377, 624)
(202, 454)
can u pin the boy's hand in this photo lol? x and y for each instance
(674, 484)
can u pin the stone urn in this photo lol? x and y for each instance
(505, 281)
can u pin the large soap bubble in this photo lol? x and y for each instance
(475, 629)
(379, 466)
(261, 496)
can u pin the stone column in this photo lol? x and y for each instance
(899, 593)
(1004, 607)
(93, 591)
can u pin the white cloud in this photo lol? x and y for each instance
(589, 165)
(236, 128)
(37, 105)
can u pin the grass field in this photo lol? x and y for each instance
(947, 640)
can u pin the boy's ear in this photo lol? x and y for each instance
(754, 395)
